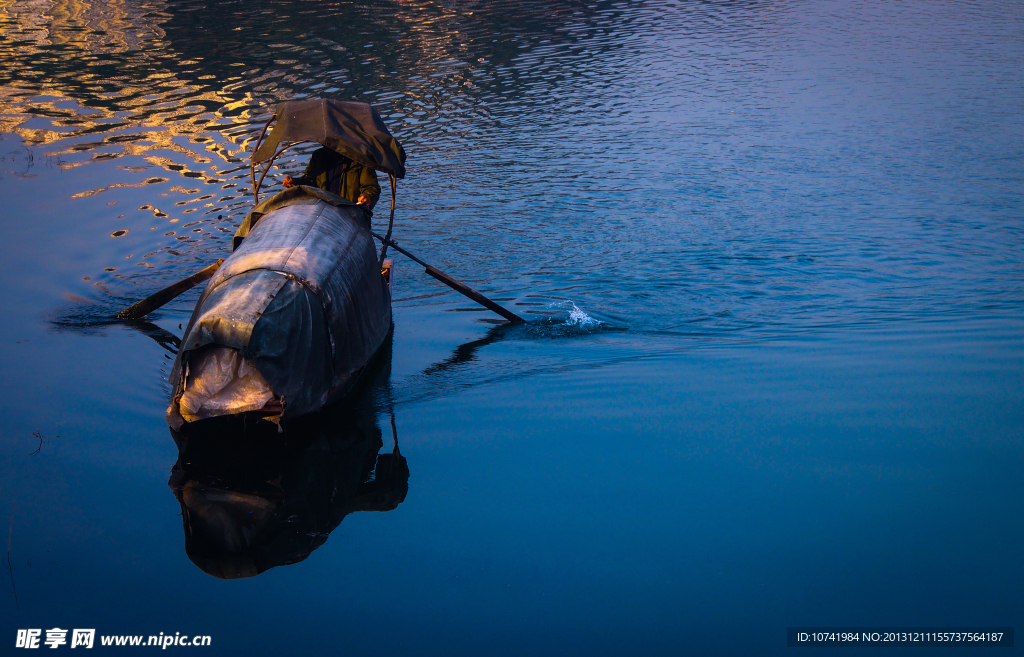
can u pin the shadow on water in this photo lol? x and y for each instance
(467, 352)
(87, 320)
(253, 498)
(88, 316)
(549, 328)
(170, 342)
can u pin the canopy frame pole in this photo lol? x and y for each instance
(391, 221)
(252, 160)
(266, 169)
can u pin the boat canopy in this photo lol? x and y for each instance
(353, 129)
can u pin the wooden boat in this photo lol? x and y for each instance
(289, 321)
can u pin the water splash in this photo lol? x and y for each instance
(577, 317)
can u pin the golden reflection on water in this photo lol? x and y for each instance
(140, 110)
(100, 82)
(144, 108)
(110, 25)
(144, 114)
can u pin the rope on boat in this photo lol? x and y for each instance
(391, 221)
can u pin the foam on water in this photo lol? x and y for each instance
(577, 316)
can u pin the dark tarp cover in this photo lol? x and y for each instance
(350, 128)
(301, 299)
(297, 195)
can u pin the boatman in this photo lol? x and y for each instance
(335, 173)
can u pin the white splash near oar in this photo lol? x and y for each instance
(578, 317)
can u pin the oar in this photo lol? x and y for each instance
(461, 288)
(154, 301)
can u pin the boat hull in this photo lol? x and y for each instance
(290, 319)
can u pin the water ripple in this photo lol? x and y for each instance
(736, 165)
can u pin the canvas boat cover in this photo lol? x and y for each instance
(353, 129)
(291, 317)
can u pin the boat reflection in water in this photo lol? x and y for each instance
(253, 498)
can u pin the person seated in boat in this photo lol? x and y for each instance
(335, 173)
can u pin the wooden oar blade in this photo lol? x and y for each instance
(473, 294)
(154, 301)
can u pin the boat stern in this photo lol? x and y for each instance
(218, 380)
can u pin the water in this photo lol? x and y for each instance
(772, 256)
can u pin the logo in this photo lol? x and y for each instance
(55, 637)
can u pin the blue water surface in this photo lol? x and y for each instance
(771, 254)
